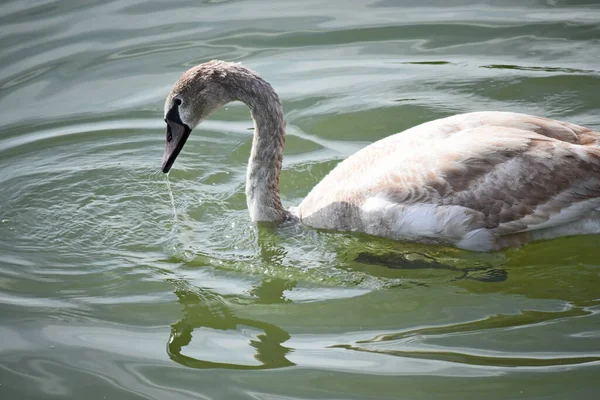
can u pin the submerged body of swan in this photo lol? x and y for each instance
(479, 181)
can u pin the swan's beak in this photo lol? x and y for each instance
(177, 134)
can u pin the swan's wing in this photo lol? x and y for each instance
(505, 172)
(541, 183)
(559, 130)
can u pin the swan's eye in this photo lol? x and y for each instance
(177, 101)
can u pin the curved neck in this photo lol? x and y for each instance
(264, 165)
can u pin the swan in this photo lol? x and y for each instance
(479, 181)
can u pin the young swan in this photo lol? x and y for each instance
(479, 181)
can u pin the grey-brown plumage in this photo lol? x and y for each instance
(480, 181)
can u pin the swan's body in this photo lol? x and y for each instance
(479, 181)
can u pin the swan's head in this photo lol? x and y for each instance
(200, 91)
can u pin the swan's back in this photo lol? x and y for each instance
(465, 180)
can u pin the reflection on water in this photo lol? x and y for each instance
(215, 326)
(479, 357)
(419, 261)
(203, 309)
(252, 343)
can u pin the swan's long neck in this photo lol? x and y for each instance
(264, 165)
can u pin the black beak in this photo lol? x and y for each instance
(177, 134)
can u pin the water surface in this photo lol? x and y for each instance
(115, 285)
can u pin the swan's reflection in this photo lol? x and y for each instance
(204, 309)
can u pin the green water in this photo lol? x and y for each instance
(111, 289)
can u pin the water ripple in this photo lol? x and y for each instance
(113, 277)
